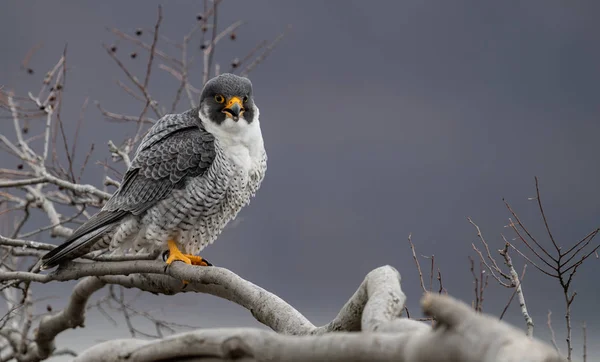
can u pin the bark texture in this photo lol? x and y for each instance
(369, 327)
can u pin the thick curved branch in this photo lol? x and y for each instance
(461, 335)
(70, 317)
(378, 300)
(377, 303)
(250, 345)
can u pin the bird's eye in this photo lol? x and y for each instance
(219, 98)
(245, 99)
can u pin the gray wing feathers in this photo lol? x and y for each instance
(103, 218)
(175, 148)
(82, 239)
(162, 163)
(166, 126)
(74, 250)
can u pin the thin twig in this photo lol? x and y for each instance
(146, 46)
(120, 117)
(584, 328)
(553, 339)
(529, 260)
(265, 54)
(412, 247)
(134, 80)
(539, 201)
(78, 126)
(209, 52)
(514, 214)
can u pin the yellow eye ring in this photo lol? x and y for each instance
(219, 98)
(246, 99)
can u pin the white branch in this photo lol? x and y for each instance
(53, 215)
(120, 153)
(48, 178)
(49, 109)
(461, 335)
(517, 283)
(379, 299)
(71, 317)
(25, 244)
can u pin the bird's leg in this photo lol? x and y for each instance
(176, 254)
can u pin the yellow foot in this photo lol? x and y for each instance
(198, 260)
(176, 255)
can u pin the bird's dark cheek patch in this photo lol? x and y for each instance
(217, 117)
(249, 115)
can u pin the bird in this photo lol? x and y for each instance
(191, 174)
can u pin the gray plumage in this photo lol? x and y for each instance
(191, 174)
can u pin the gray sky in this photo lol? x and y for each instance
(380, 118)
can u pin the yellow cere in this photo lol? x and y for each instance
(234, 100)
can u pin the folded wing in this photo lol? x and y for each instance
(175, 149)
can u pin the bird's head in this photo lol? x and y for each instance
(226, 101)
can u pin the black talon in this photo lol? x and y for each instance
(165, 256)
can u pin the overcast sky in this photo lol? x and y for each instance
(380, 118)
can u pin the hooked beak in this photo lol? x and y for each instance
(234, 108)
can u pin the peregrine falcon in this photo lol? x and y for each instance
(191, 175)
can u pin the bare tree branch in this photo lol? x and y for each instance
(47, 178)
(549, 323)
(70, 317)
(460, 331)
(518, 289)
(265, 54)
(414, 254)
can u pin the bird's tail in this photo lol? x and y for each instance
(72, 249)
